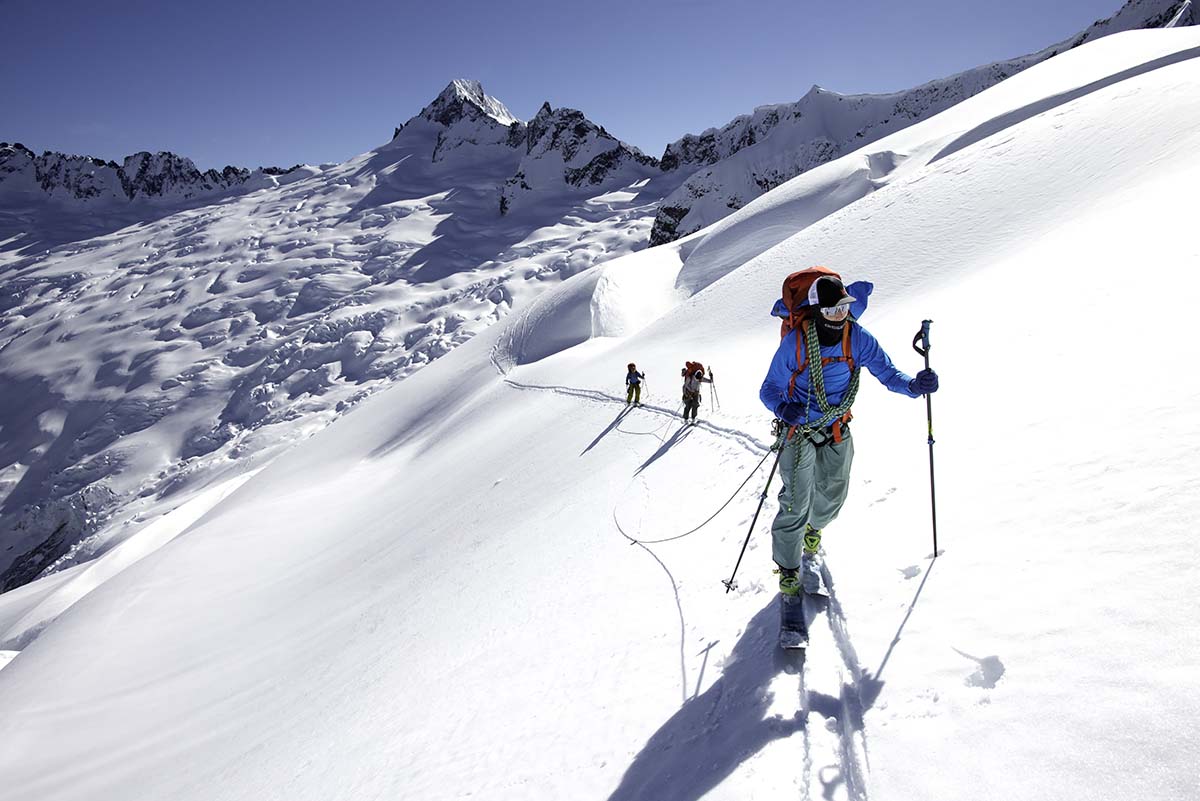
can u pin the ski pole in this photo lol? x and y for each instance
(922, 337)
(729, 585)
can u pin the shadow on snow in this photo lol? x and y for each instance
(713, 733)
(675, 439)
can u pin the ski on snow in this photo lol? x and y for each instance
(794, 614)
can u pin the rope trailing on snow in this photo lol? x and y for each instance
(713, 516)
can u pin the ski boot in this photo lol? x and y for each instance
(789, 580)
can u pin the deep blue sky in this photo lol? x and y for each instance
(275, 82)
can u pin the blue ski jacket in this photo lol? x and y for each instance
(634, 378)
(867, 353)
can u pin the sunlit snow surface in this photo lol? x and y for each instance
(449, 592)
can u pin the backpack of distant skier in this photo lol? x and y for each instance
(796, 309)
(690, 368)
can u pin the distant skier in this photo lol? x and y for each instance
(693, 379)
(633, 383)
(812, 393)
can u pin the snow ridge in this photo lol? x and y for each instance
(754, 153)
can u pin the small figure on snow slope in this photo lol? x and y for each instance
(633, 383)
(693, 378)
(810, 387)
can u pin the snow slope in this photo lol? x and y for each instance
(462, 589)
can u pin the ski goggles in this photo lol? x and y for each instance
(839, 312)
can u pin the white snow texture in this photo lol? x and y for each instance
(472, 584)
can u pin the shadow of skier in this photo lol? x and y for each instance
(675, 439)
(713, 733)
(616, 422)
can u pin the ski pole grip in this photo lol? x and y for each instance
(922, 337)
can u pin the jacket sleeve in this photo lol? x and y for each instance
(774, 389)
(868, 353)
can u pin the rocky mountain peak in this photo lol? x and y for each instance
(465, 99)
(565, 130)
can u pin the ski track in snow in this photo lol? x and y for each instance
(857, 694)
(747, 441)
(858, 688)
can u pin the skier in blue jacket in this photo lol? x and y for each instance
(814, 400)
(633, 384)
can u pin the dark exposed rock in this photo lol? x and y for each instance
(65, 521)
(666, 223)
(599, 168)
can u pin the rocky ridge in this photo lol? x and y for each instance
(142, 176)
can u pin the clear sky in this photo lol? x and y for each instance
(275, 82)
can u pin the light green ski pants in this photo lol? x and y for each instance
(815, 482)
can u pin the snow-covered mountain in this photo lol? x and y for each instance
(555, 151)
(491, 581)
(143, 363)
(732, 165)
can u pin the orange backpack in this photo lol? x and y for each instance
(793, 305)
(690, 368)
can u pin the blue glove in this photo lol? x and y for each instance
(791, 412)
(926, 383)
